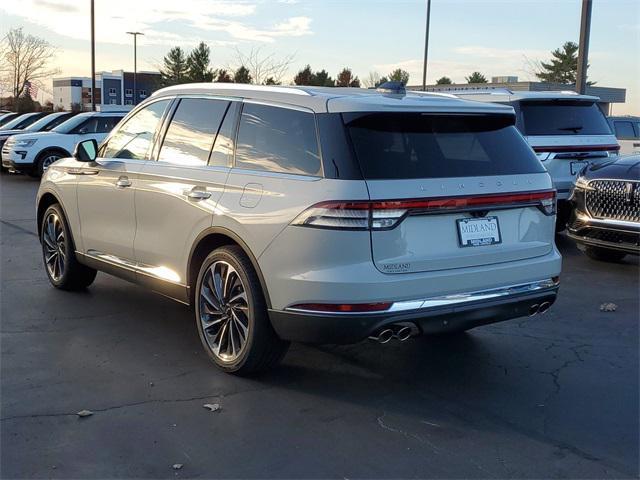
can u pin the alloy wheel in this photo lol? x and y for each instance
(54, 246)
(48, 160)
(224, 311)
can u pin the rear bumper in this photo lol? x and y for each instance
(438, 317)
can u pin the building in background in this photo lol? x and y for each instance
(504, 79)
(607, 95)
(114, 90)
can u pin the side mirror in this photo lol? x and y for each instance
(86, 151)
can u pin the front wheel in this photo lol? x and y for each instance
(231, 314)
(60, 262)
(603, 254)
(44, 161)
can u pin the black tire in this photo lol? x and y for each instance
(71, 275)
(263, 349)
(45, 156)
(603, 254)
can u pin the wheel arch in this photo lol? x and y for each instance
(209, 240)
(47, 199)
(53, 148)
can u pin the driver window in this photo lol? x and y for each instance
(134, 139)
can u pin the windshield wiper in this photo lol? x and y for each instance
(573, 129)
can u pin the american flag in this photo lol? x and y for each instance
(31, 89)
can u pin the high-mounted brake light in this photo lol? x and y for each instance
(577, 148)
(386, 214)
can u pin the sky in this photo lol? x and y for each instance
(495, 37)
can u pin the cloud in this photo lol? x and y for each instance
(166, 21)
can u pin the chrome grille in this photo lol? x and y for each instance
(614, 199)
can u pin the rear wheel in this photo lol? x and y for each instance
(231, 314)
(603, 254)
(60, 262)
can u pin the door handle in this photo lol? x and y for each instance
(123, 182)
(198, 195)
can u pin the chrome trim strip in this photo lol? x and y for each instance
(147, 270)
(449, 300)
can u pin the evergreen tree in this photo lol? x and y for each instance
(175, 68)
(271, 81)
(242, 75)
(346, 79)
(322, 79)
(222, 76)
(563, 67)
(399, 75)
(476, 77)
(444, 81)
(304, 76)
(198, 64)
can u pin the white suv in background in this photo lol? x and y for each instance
(566, 130)
(309, 214)
(627, 130)
(33, 153)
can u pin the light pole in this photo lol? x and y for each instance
(426, 47)
(135, 65)
(583, 49)
(93, 58)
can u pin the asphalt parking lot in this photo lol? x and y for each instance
(551, 396)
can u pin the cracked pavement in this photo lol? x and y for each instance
(551, 396)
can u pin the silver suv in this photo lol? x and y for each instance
(309, 214)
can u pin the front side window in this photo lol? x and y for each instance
(563, 117)
(128, 92)
(134, 139)
(417, 145)
(192, 131)
(112, 91)
(278, 140)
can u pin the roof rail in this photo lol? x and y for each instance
(480, 91)
(235, 86)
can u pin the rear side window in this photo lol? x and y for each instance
(277, 140)
(193, 129)
(416, 145)
(624, 130)
(134, 139)
(563, 118)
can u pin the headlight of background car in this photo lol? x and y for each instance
(25, 143)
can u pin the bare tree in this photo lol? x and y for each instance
(25, 58)
(372, 80)
(263, 66)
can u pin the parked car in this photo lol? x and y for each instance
(566, 130)
(20, 122)
(627, 130)
(33, 153)
(7, 117)
(605, 222)
(44, 124)
(309, 214)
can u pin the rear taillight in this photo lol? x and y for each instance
(386, 214)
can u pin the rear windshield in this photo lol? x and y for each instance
(416, 145)
(563, 118)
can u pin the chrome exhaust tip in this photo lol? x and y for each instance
(383, 336)
(535, 308)
(544, 307)
(404, 333)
